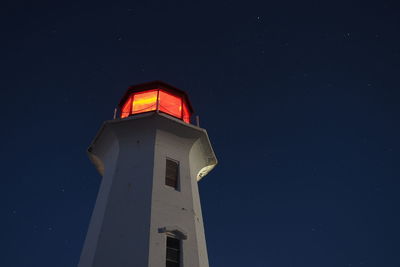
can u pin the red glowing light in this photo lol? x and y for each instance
(186, 113)
(170, 104)
(144, 101)
(162, 97)
(126, 108)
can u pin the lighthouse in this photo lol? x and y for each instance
(150, 157)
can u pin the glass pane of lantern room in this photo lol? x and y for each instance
(126, 108)
(186, 113)
(144, 101)
(170, 104)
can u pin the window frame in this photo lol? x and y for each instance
(177, 182)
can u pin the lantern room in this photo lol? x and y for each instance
(156, 96)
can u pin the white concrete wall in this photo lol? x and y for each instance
(134, 205)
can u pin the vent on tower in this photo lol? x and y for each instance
(173, 252)
(156, 96)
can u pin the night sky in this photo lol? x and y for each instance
(300, 99)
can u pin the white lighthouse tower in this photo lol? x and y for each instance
(148, 212)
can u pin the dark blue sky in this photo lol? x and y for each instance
(300, 98)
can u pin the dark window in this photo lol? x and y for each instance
(172, 173)
(173, 252)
